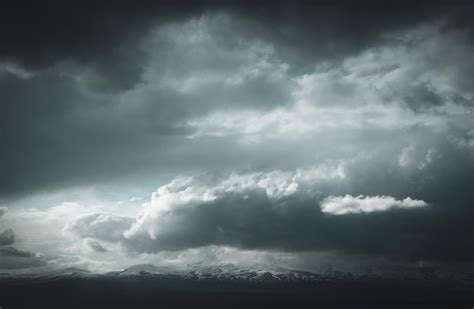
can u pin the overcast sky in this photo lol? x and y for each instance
(297, 133)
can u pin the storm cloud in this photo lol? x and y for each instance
(292, 127)
(12, 258)
(172, 66)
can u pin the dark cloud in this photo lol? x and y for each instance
(62, 126)
(47, 130)
(102, 33)
(102, 36)
(12, 258)
(61, 134)
(13, 252)
(310, 31)
(7, 237)
(254, 222)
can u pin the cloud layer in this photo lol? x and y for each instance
(278, 76)
(289, 128)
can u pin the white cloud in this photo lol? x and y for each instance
(340, 205)
(105, 226)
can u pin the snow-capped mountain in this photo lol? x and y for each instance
(230, 285)
(266, 273)
(224, 272)
(232, 273)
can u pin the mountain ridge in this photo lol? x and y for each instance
(232, 273)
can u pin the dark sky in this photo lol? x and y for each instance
(282, 127)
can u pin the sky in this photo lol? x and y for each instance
(301, 134)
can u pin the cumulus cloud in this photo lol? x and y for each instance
(104, 226)
(340, 205)
(160, 224)
(208, 209)
(262, 210)
(282, 211)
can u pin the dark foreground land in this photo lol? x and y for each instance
(160, 292)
